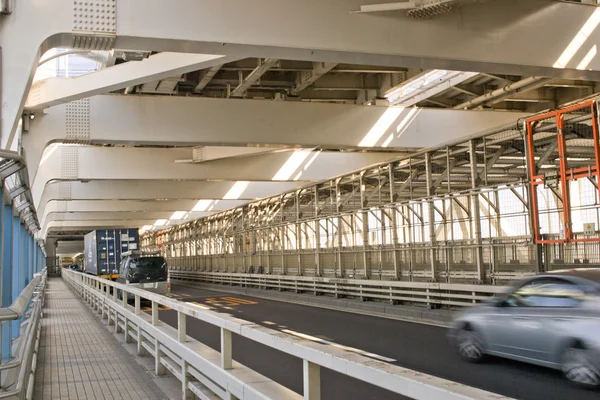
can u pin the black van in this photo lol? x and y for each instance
(145, 270)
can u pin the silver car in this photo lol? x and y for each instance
(552, 320)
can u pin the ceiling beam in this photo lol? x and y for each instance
(500, 94)
(254, 76)
(55, 91)
(305, 79)
(209, 74)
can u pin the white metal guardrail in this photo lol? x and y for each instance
(211, 374)
(17, 375)
(431, 294)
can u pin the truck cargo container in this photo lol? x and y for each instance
(103, 250)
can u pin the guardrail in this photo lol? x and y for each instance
(19, 373)
(428, 293)
(211, 374)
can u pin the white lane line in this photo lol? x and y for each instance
(269, 323)
(339, 346)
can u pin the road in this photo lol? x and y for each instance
(416, 346)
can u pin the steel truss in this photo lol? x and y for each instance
(458, 213)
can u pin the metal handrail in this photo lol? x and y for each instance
(430, 293)
(188, 359)
(27, 356)
(18, 307)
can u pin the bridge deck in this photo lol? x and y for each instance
(80, 359)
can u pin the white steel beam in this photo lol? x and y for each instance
(151, 191)
(54, 91)
(254, 76)
(195, 208)
(182, 121)
(320, 31)
(424, 86)
(90, 225)
(89, 163)
(207, 76)
(306, 79)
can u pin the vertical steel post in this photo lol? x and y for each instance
(159, 368)
(431, 215)
(15, 264)
(154, 313)
(340, 223)
(181, 327)
(475, 211)
(312, 380)
(185, 375)
(298, 235)
(317, 234)
(226, 349)
(394, 221)
(365, 227)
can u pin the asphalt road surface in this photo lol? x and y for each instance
(420, 347)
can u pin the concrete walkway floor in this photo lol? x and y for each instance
(80, 359)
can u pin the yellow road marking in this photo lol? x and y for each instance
(228, 301)
(241, 301)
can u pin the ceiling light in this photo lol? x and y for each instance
(161, 222)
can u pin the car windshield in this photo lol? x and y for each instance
(147, 264)
(147, 269)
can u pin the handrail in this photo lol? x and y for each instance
(18, 307)
(26, 359)
(430, 293)
(188, 359)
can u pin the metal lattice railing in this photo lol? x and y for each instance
(425, 293)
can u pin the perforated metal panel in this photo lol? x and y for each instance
(94, 24)
(69, 162)
(77, 129)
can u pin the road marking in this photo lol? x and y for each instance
(241, 301)
(269, 323)
(339, 346)
(228, 301)
(161, 308)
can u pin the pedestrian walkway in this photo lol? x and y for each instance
(80, 359)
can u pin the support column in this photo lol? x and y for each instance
(475, 213)
(340, 223)
(15, 265)
(298, 235)
(317, 234)
(431, 215)
(7, 274)
(282, 237)
(365, 228)
(394, 221)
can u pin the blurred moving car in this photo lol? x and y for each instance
(144, 270)
(551, 320)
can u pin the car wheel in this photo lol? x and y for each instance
(469, 345)
(578, 367)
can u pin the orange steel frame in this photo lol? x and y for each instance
(564, 174)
